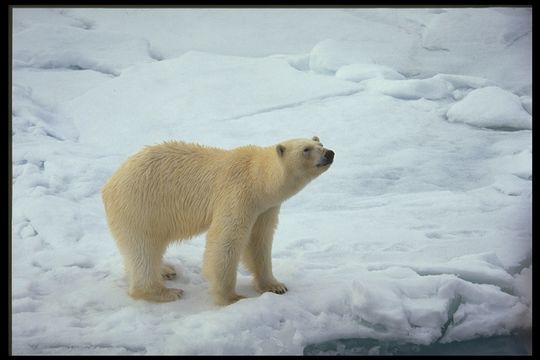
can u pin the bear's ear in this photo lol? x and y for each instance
(280, 150)
(316, 138)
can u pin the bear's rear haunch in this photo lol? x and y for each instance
(176, 190)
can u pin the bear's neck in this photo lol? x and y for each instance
(278, 185)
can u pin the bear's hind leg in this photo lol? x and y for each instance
(143, 263)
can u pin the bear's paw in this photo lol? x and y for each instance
(167, 272)
(275, 287)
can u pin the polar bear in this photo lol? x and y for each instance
(176, 190)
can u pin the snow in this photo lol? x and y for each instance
(56, 46)
(189, 87)
(431, 89)
(359, 72)
(421, 231)
(491, 107)
(489, 42)
(526, 101)
(68, 84)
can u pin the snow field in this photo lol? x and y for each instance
(420, 231)
(74, 48)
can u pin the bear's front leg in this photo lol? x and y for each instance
(226, 240)
(258, 254)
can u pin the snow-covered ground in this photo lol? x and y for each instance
(419, 232)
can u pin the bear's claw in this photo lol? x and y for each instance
(280, 291)
(277, 288)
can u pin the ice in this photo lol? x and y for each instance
(66, 47)
(30, 116)
(359, 72)
(523, 288)
(418, 237)
(526, 101)
(25, 18)
(375, 40)
(498, 40)
(431, 89)
(478, 268)
(330, 55)
(242, 31)
(415, 310)
(519, 344)
(463, 81)
(445, 30)
(491, 107)
(53, 87)
(203, 86)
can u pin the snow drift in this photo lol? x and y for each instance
(420, 232)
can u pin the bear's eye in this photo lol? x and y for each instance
(306, 150)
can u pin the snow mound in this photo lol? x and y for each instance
(431, 89)
(446, 30)
(378, 42)
(359, 72)
(512, 185)
(523, 288)
(464, 81)
(518, 163)
(484, 268)
(426, 308)
(299, 62)
(491, 107)
(437, 87)
(329, 55)
(499, 41)
(526, 101)
(56, 46)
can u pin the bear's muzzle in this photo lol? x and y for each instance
(327, 158)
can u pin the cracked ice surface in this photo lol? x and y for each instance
(420, 232)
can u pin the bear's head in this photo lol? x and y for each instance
(305, 158)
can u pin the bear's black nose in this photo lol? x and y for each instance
(329, 155)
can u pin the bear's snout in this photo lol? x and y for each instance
(326, 159)
(329, 155)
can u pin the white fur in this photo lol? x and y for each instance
(176, 190)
